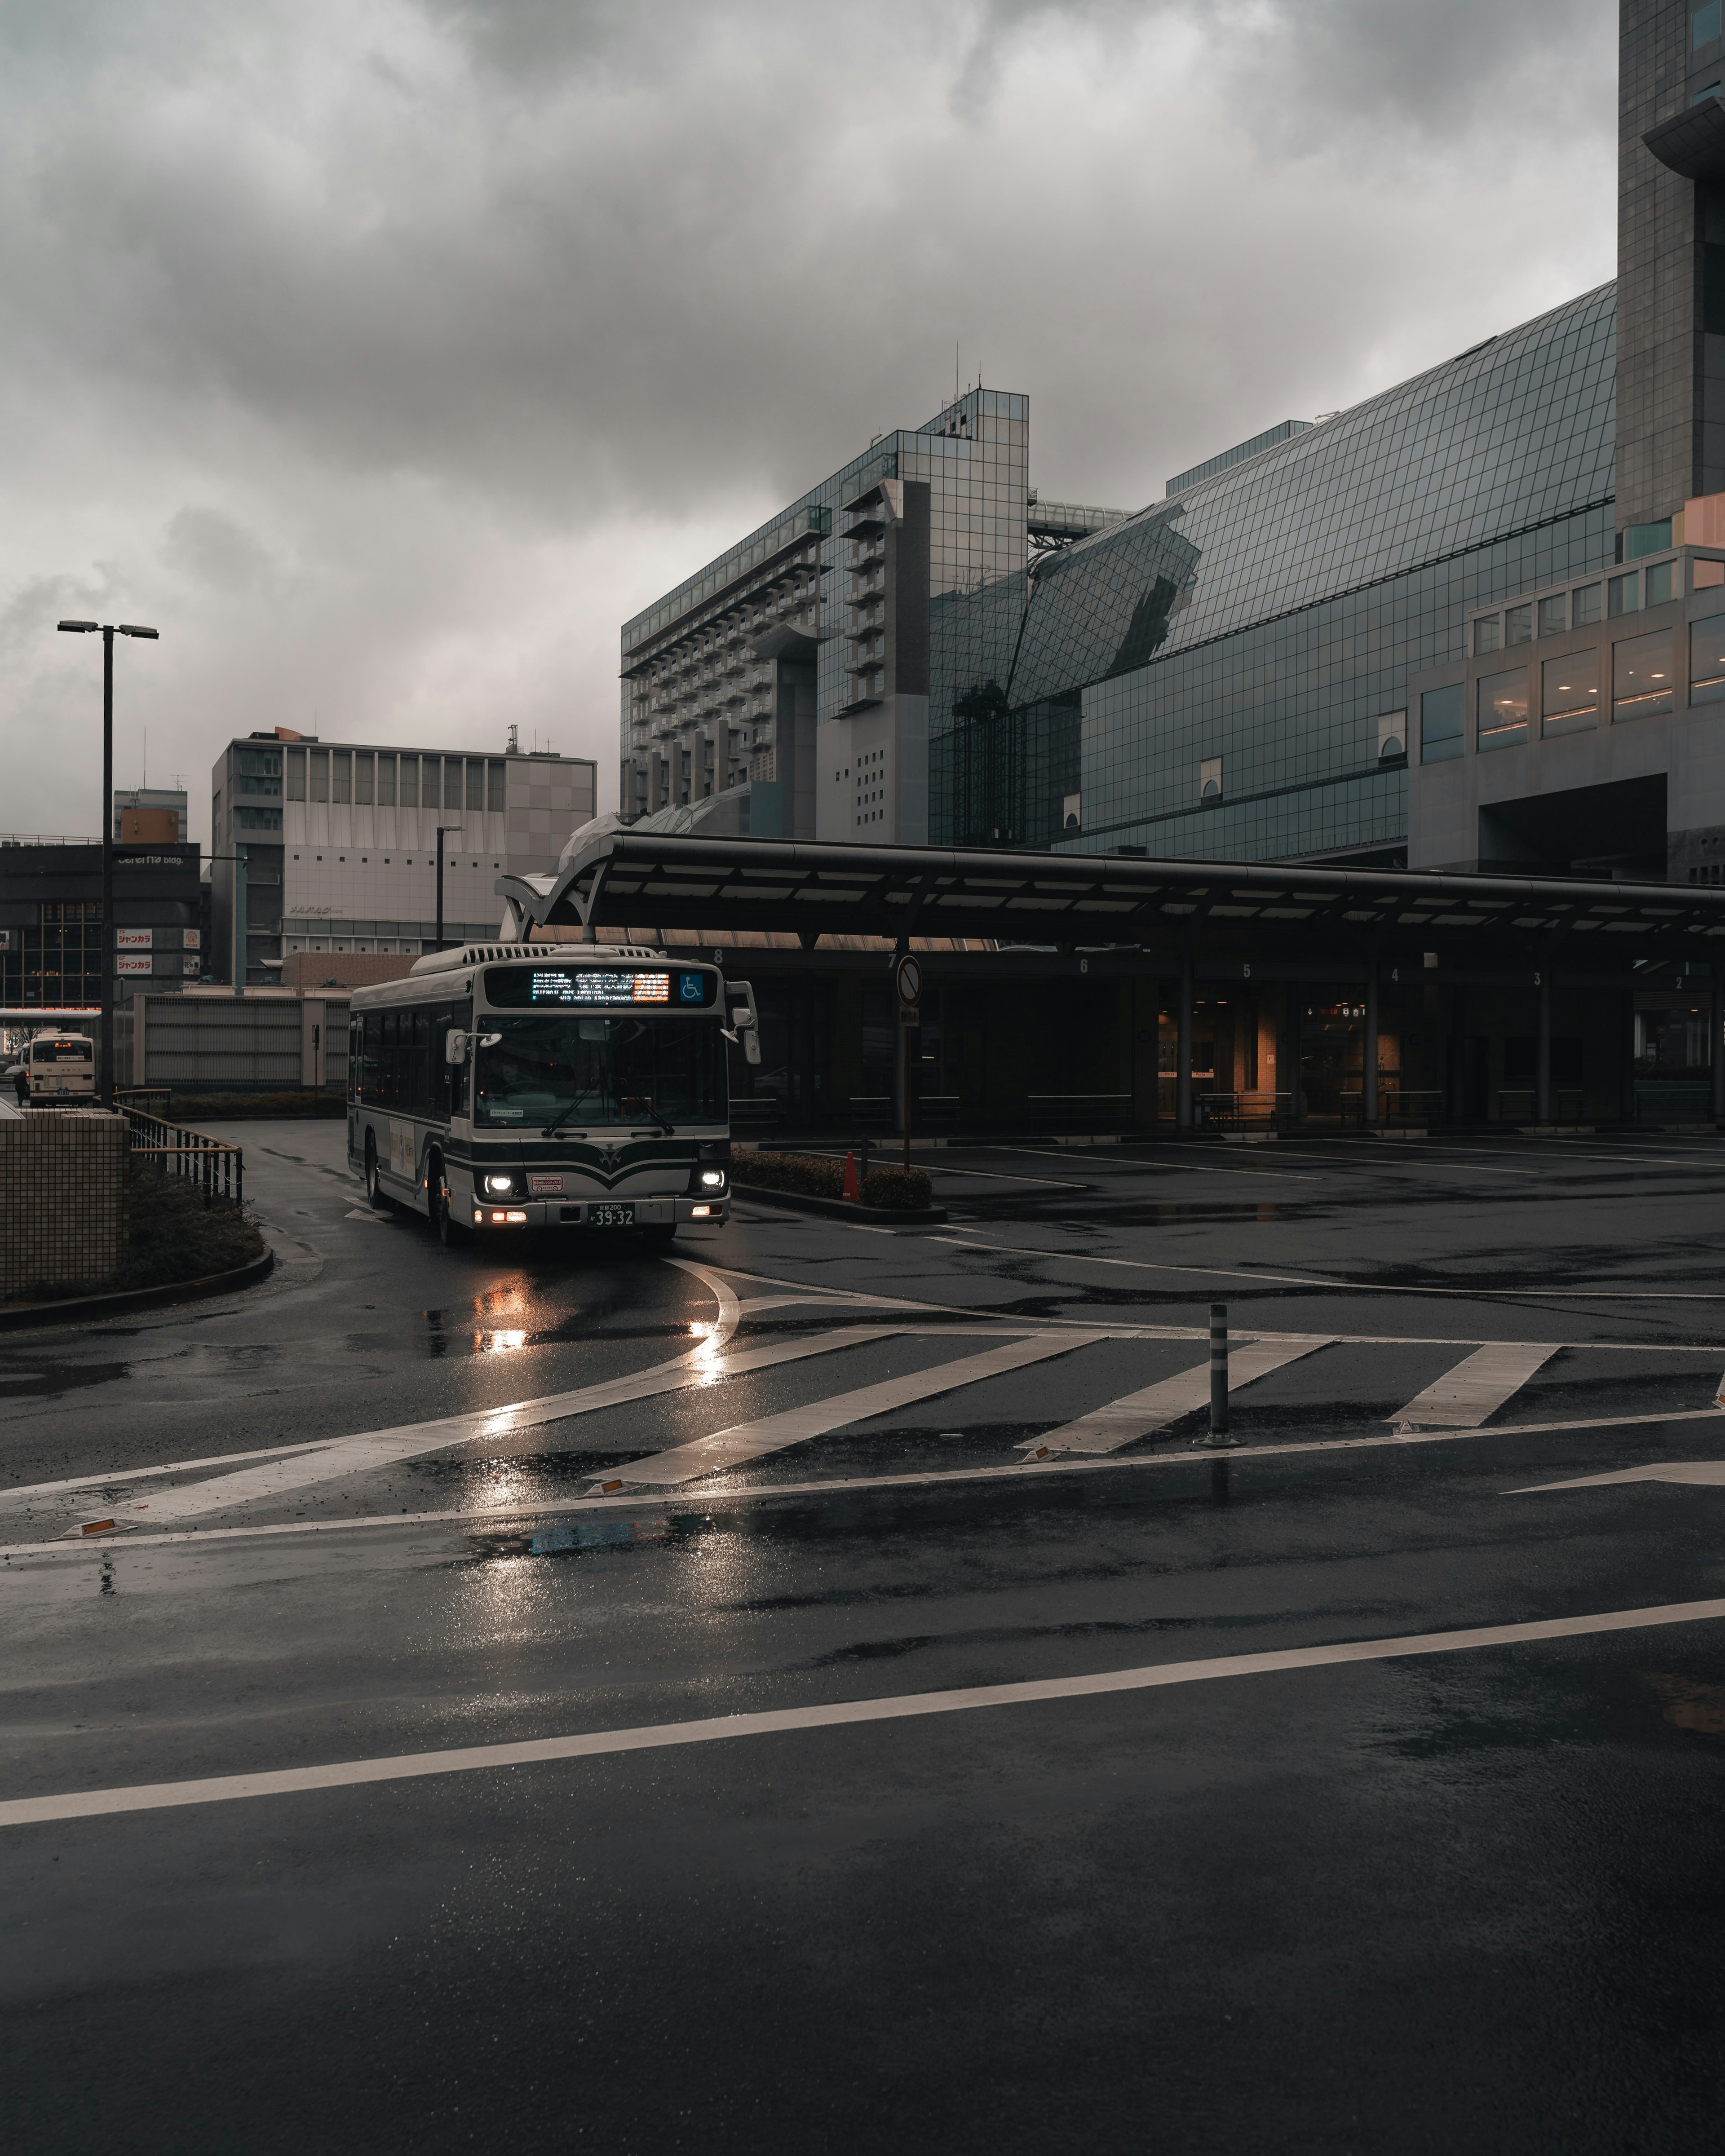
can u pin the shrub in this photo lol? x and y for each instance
(818, 1175)
(174, 1236)
(810, 1175)
(899, 1189)
(194, 1108)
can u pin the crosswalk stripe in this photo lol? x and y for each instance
(382, 1448)
(1478, 1385)
(750, 1441)
(1107, 1428)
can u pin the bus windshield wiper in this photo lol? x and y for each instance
(665, 1122)
(553, 1128)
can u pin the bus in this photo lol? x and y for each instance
(503, 1086)
(60, 1067)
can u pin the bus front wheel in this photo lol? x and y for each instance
(376, 1195)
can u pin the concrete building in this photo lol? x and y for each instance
(154, 815)
(785, 689)
(1578, 721)
(208, 1039)
(51, 927)
(323, 846)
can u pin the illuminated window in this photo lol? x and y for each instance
(1642, 675)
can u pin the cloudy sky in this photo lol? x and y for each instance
(386, 354)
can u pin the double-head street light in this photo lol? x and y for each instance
(108, 632)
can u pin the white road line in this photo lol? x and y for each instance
(1313, 1149)
(1463, 1398)
(345, 1456)
(1166, 1166)
(1709, 1473)
(737, 1493)
(750, 1441)
(1107, 1428)
(1201, 1332)
(1559, 1150)
(968, 1242)
(602, 1743)
(20, 1492)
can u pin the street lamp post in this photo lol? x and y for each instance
(108, 947)
(441, 829)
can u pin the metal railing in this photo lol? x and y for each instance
(218, 1168)
(1396, 1104)
(1074, 1111)
(1520, 1103)
(1240, 1110)
(152, 1100)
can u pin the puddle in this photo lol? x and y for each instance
(28, 1381)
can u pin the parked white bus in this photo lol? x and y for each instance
(511, 1086)
(60, 1067)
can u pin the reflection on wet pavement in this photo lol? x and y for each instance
(36, 1382)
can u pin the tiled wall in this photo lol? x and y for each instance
(62, 1201)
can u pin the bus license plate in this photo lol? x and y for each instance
(610, 1216)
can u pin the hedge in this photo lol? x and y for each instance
(272, 1107)
(899, 1189)
(810, 1175)
(819, 1175)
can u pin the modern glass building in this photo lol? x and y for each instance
(789, 683)
(1271, 720)
(919, 650)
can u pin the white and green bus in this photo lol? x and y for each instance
(511, 1085)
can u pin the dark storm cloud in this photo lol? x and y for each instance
(393, 353)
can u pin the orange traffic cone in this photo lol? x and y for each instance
(853, 1189)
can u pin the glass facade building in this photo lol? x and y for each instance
(1323, 572)
(728, 677)
(1224, 674)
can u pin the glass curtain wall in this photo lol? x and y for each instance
(1331, 567)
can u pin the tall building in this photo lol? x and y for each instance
(785, 689)
(324, 846)
(1323, 570)
(919, 648)
(1573, 723)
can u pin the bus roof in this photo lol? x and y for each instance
(430, 980)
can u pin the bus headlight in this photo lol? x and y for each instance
(500, 1185)
(712, 1178)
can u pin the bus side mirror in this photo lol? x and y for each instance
(454, 1045)
(745, 1020)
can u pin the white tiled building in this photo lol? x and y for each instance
(336, 844)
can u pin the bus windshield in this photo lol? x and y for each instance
(587, 1072)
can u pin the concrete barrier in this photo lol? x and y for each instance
(64, 1193)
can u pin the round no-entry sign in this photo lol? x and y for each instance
(908, 974)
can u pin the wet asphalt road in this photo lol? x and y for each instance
(1458, 1899)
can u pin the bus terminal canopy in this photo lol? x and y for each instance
(1080, 902)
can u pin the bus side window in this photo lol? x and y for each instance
(387, 1064)
(423, 1101)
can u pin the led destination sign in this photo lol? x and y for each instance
(540, 988)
